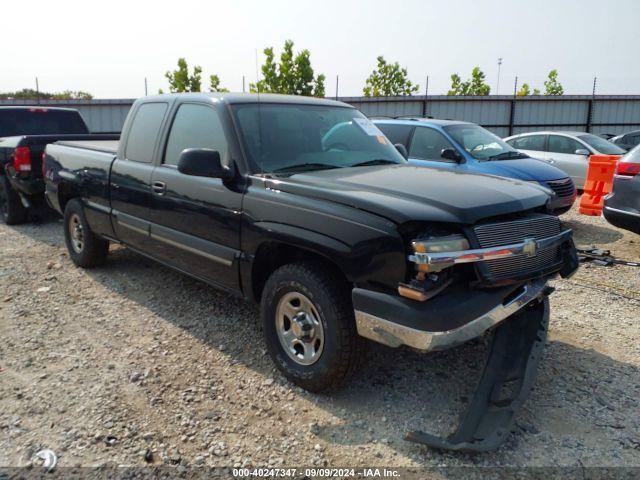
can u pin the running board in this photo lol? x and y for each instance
(514, 354)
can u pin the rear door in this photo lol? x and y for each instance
(130, 182)
(196, 220)
(562, 152)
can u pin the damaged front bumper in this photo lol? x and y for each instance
(432, 334)
(513, 356)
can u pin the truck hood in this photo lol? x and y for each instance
(403, 193)
(527, 169)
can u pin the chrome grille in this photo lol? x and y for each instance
(562, 188)
(515, 231)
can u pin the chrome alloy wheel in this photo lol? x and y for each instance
(299, 328)
(76, 233)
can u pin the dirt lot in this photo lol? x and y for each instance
(133, 360)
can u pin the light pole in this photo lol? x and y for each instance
(498, 85)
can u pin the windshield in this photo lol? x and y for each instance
(39, 121)
(285, 138)
(601, 145)
(481, 143)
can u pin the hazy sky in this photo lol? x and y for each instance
(109, 47)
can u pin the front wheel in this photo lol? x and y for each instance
(11, 209)
(309, 326)
(85, 248)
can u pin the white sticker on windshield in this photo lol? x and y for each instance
(368, 127)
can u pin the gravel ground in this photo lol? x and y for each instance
(133, 364)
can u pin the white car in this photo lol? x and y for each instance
(569, 151)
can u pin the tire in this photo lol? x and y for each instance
(314, 289)
(85, 248)
(12, 211)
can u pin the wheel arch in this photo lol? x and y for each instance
(287, 244)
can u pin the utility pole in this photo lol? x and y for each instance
(498, 84)
(242, 83)
(145, 87)
(337, 85)
(426, 94)
(37, 91)
(592, 106)
(512, 110)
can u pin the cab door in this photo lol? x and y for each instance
(195, 221)
(130, 181)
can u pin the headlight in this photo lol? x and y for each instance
(449, 243)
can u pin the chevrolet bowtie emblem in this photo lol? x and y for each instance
(530, 248)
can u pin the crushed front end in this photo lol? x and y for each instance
(468, 281)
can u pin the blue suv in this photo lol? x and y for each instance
(467, 147)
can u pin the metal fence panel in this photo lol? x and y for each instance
(501, 114)
(551, 112)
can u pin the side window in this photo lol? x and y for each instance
(427, 144)
(396, 133)
(529, 142)
(632, 139)
(195, 126)
(144, 132)
(559, 144)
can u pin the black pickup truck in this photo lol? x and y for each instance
(304, 206)
(24, 132)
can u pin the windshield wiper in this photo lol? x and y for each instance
(508, 155)
(304, 167)
(377, 161)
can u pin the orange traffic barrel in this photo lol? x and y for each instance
(598, 184)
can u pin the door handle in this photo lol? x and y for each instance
(159, 188)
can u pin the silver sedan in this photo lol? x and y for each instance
(569, 151)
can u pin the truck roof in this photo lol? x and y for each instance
(234, 98)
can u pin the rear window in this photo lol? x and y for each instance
(39, 121)
(601, 145)
(144, 132)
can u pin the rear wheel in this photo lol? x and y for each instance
(309, 326)
(11, 209)
(85, 248)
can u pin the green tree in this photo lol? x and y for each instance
(476, 85)
(72, 95)
(293, 75)
(31, 94)
(181, 80)
(214, 84)
(552, 85)
(524, 90)
(387, 80)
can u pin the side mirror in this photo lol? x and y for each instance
(203, 162)
(583, 151)
(402, 149)
(451, 154)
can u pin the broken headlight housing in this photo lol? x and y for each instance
(431, 279)
(448, 243)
